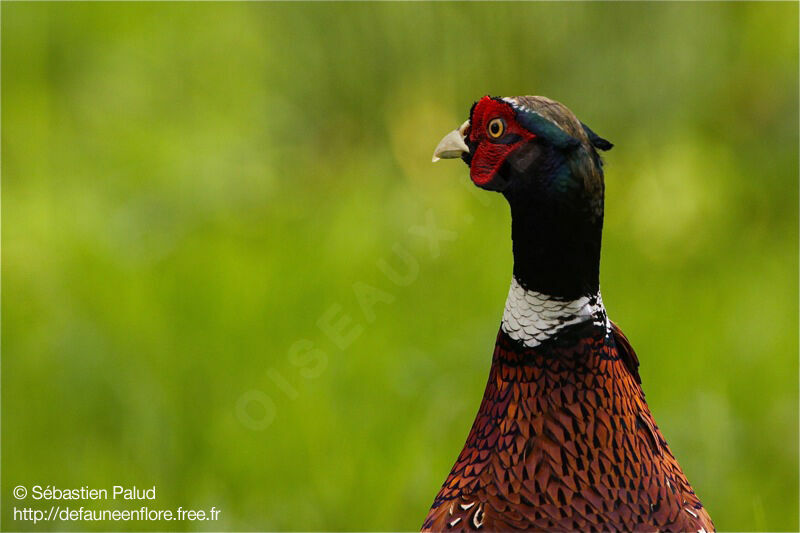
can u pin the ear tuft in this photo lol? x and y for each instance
(596, 140)
(545, 128)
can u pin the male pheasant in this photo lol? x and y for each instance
(563, 439)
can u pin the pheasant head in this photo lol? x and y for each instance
(544, 161)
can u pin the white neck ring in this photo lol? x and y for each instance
(532, 317)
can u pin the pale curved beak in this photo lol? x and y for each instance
(453, 145)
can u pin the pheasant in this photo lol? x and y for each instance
(563, 439)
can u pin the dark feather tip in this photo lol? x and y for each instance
(596, 140)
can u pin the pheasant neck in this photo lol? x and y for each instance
(556, 243)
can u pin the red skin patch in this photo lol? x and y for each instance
(490, 153)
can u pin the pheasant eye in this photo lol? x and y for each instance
(496, 128)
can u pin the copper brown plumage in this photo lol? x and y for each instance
(566, 442)
(563, 439)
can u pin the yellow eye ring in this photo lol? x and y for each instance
(496, 128)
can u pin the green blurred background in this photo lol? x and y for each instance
(188, 189)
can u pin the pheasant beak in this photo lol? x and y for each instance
(453, 145)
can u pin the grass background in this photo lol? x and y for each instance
(188, 188)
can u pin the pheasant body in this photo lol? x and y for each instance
(563, 439)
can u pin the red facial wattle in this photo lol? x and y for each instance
(490, 153)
